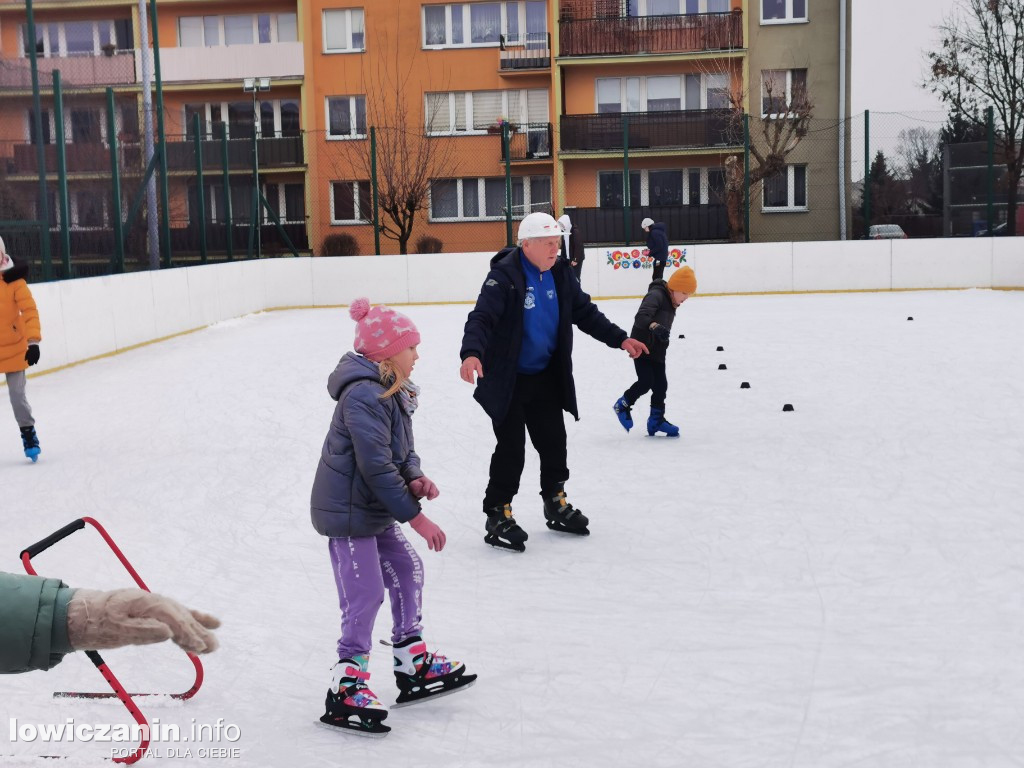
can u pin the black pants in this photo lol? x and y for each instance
(536, 407)
(659, 270)
(650, 377)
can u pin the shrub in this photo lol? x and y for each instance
(428, 244)
(339, 244)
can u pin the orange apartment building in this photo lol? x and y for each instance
(566, 74)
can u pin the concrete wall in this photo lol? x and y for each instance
(86, 318)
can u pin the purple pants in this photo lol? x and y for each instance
(363, 566)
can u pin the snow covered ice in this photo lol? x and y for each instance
(840, 585)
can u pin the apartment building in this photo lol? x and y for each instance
(207, 53)
(609, 104)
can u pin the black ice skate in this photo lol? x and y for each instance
(351, 705)
(423, 675)
(563, 516)
(503, 531)
(30, 442)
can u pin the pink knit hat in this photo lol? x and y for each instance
(381, 332)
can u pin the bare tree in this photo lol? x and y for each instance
(919, 164)
(408, 158)
(783, 123)
(980, 63)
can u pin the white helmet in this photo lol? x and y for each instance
(646, 223)
(539, 225)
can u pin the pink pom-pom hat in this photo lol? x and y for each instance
(381, 332)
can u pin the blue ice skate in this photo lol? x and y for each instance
(622, 410)
(30, 440)
(656, 423)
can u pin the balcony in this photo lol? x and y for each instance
(274, 152)
(81, 157)
(531, 54)
(681, 129)
(685, 223)
(118, 68)
(633, 35)
(231, 62)
(530, 142)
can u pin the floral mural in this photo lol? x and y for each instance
(638, 258)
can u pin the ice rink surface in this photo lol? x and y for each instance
(842, 585)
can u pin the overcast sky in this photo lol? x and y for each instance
(889, 40)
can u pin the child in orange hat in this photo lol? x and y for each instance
(653, 326)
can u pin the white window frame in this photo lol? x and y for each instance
(275, 36)
(349, 12)
(48, 113)
(789, 18)
(207, 118)
(481, 198)
(624, 85)
(99, 27)
(788, 93)
(645, 183)
(522, 118)
(790, 207)
(466, 26)
(353, 136)
(73, 211)
(355, 191)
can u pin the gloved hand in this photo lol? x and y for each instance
(660, 332)
(429, 530)
(32, 354)
(98, 620)
(424, 487)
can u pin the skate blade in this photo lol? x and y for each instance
(562, 529)
(464, 682)
(497, 543)
(377, 729)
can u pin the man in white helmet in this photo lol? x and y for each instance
(517, 347)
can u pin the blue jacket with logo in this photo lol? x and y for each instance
(494, 330)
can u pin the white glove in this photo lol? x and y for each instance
(98, 620)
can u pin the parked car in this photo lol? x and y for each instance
(886, 232)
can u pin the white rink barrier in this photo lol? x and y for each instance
(87, 318)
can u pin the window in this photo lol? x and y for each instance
(345, 196)
(466, 24)
(263, 27)
(238, 30)
(786, 190)
(346, 117)
(190, 31)
(240, 120)
(87, 209)
(662, 93)
(477, 111)
(484, 198)
(85, 126)
(289, 118)
(48, 126)
(675, 7)
(343, 31)
(287, 28)
(780, 89)
(667, 187)
(277, 118)
(79, 37)
(783, 11)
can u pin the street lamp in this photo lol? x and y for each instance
(254, 85)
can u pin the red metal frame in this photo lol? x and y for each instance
(118, 690)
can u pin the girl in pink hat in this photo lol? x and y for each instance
(368, 483)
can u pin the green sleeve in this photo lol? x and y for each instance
(33, 622)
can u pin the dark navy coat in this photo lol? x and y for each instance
(494, 330)
(657, 242)
(361, 485)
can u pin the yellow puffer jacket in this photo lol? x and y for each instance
(19, 319)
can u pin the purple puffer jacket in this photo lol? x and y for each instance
(361, 484)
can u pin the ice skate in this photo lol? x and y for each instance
(423, 675)
(30, 441)
(502, 530)
(656, 423)
(622, 410)
(351, 705)
(563, 516)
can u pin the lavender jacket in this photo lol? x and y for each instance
(361, 483)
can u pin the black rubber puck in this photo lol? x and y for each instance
(910, 318)
(745, 385)
(787, 407)
(682, 336)
(721, 366)
(720, 349)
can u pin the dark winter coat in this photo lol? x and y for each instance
(657, 242)
(361, 483)
(576, 252)
(34, 630)
(494, 330)
(655, 308)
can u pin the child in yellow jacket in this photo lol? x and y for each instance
(19, 343)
